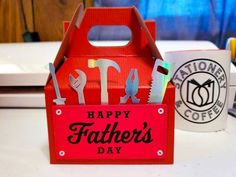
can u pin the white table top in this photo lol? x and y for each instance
(24, 152)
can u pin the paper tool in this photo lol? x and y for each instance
(59, 100)
(159, 81)
(78, 84)
(103, 65)
(131, 88)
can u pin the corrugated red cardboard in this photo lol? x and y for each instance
(139, 53)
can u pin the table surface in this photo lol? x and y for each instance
(24, 152)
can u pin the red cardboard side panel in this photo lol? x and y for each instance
(151, 25)
(65, 26)
(169, 99)
(49, 103)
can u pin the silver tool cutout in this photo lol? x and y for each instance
(131, 88)
(59, 100)
(78, 84)
(103, 65)
(159, 81)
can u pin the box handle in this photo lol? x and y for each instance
(76, 43)
(129, 17)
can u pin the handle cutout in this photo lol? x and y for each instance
(120, 33)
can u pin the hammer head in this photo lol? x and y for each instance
(103, 63)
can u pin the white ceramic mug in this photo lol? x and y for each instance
(201, 78)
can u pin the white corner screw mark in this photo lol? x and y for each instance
(61, 153)
(160, 152)
(58, 112)
(160, 111)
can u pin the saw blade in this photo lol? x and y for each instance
(159, 81)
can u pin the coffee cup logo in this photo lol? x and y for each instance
(196, 90)
(201, 85)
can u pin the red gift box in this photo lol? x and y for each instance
(113, 133)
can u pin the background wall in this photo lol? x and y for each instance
(212, 20)
(49, 17)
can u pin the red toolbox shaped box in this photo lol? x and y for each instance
(113, 133)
